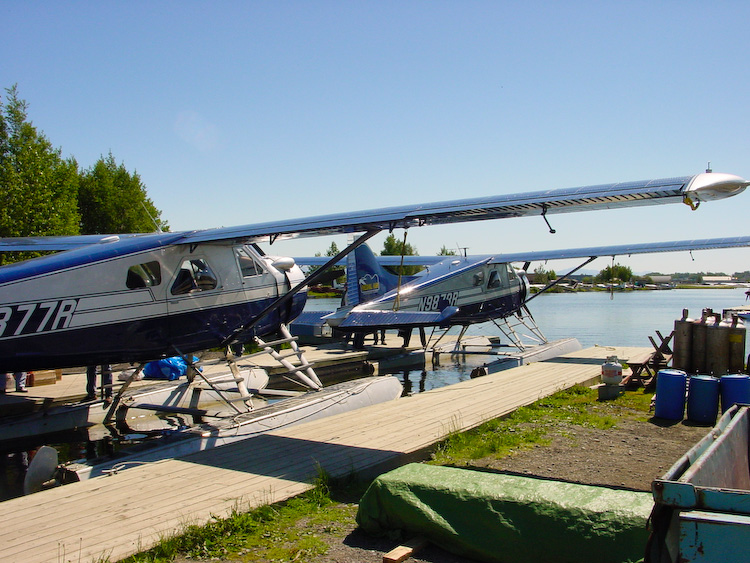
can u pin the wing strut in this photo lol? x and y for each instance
(397, 300)
(561, 278)
(309, 280)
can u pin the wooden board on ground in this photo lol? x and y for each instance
(403, 552)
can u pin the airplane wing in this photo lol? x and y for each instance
(21, 244)
(687, 189)
(388, 260)
(627, 249)
(542, 255)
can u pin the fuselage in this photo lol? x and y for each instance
(482, 289)
(137, 299)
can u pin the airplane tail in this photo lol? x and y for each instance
(365, 278)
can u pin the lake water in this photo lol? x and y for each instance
(625, 318)
(594, 318)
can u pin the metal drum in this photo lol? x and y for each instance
(717, 347)
(683, 342)
(737, 335)
(698, 345)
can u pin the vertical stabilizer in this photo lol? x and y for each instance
(365, 278)
(351, 298)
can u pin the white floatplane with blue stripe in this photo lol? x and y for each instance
(106, 299)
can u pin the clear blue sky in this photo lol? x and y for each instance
(235, 112)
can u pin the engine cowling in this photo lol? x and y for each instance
(525, 285)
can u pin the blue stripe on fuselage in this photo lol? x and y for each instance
(85, 255)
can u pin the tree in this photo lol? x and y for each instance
(335, 273)
(446, 252)
(687, 277)
(112, 200)
(333, 250)
(615, 272)
(39, 187)
(394, 247)
(541, 275)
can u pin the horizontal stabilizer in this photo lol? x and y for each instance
(395, 319)
(311, 318)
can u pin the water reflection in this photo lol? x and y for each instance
(406, 381)
(13, 467)
(424, 377)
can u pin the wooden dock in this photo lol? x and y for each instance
(116, 516)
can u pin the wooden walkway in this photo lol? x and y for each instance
(113, 517)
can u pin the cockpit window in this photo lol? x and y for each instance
(511, 272)
(248, 266)
(494, 280)
(144, 275)
(194, 275)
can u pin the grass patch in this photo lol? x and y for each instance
(529, 426)
(266, 533)
(639, 402)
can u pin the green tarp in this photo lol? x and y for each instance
(507, 518)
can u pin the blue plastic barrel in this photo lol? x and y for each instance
(670, 394)
(734, 388)
(703, 399)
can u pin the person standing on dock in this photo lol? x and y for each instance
(19, 376)
(106, 371)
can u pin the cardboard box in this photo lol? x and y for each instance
(43, 377)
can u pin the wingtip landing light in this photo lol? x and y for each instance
(710, 186)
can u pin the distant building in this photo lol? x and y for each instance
(661, 280)
(714, 280)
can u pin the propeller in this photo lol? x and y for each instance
(41, 469)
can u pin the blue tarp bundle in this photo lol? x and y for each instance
(168, 368)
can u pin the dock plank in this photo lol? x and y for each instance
(121, 514)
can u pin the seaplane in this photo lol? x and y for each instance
(459, 291)
(134, 298)
(139, 297)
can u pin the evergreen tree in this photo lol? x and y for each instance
(446, 252)
(336, 273)
(37, 186)
(112, 200)
(394, 247)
